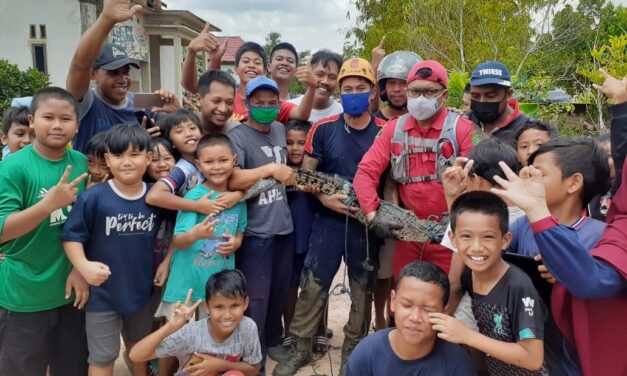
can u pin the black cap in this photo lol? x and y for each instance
(112, 57)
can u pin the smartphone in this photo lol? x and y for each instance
(139, 115)
(147, 100)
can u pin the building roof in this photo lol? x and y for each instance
(234, 43)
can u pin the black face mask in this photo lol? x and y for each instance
(486, 112)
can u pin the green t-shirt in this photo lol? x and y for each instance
(35, 269)
(192, 267)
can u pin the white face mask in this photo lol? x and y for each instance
(422, 108)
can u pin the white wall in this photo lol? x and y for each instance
(168, 76)
(63, 27)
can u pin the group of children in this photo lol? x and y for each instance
(150, 226)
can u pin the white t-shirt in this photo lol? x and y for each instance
(514, 213)
(334, 109)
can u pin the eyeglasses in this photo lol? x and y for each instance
(427, 93)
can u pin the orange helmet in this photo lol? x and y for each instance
(357, 67)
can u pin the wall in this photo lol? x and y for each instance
(63, 28)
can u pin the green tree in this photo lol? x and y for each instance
(17, 83)
(272, 39)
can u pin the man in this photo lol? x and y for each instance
(282, 67)
(217, 92)
(326, 67)
(335, 146)
(492, 105)
(419, 144)
(392, 83)
(108, 65)
(412, 348)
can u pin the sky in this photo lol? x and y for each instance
(307, 24)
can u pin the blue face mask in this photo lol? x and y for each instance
(355, 104)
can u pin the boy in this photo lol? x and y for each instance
(251, 61)
(39, 325)
(326, 68)
(412, 348)
(95, 150)
(282, 67)
(530, 136)
(570, 180)
(109, 237)
(16, 133)
(202, 246)
(226, 340)
(509, 312)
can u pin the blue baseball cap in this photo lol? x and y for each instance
(490, 73)
(261, 82)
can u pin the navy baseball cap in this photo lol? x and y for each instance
(112, 57)
(261, 82)
(490, 73)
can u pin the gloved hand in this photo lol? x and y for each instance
(383, 228)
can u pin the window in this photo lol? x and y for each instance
(33, 32)
(42, 31)
(39, 57)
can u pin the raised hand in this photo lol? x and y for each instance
(219, 51)
(118, 10)
(454, 179)
(63, 193)
(170, 103)
(153, 131)
(183, 312)
(94, 272)
(378, 53)
(205, 41)
(613, 88)
(305, 75)
(203, 229)
(525, 191)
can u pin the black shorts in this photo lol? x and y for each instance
(32, 341)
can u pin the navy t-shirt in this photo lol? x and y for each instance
(97, 116)
(118, 231)
(302, 206)
(374, 356)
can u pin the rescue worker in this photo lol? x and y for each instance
(418, 145)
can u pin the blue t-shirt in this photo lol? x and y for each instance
(302, 206)
(120, 232)
(97, 116)
(192, 267)
(183, 177)
(374, 356)
(588, 230)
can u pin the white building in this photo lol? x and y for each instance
(43, 34)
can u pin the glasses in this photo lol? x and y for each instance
(427, 93)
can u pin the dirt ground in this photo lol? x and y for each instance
(329, 365)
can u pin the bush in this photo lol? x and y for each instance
(17, 83)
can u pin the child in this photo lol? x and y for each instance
(531, 135)
(225, 340)
(16, 132)
(182, 129)
(198, 253)
(39, 325)
(95, 151)
(600, 203)
(109, 237)
(413, 347)
(573, 171)
(509, 312)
